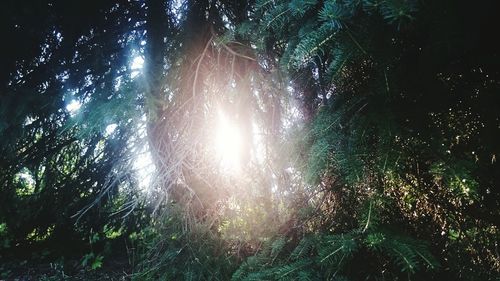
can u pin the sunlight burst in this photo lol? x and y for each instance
(229, 143)
(144, 167)
(73, 106)
(136, 66)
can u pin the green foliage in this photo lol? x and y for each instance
(63, 176)
(395, 10)
(92, 261)
(300, 8)
(326, 256)
(393, 119)
(394, 104)
(172, 253)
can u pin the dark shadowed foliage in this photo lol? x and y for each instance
(250, 140)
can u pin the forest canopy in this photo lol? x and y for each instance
(249, 140)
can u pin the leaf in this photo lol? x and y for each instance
(300, 7)
(278, 246)
(97, 263)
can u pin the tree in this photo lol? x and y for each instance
(56, 160)
(369, 132)
(385, 92)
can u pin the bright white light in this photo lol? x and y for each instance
(137, 63)
(73, 106)
(177, 8)
(25, 175)
(110, 129)
(142, 160)
(143, 164)
(136, 66)
(229, 143)
(29, 120)
(258, 143)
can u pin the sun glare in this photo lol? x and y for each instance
(136, 66)
(73, 106)
(144, 167)
(228, 143)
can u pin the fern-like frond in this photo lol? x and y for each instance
(277, 246)
(335, 248)
(276, 18)
(303, 248)
(299, 8)
(397, 11)
(312, 45)
(335, 15)
(410, 254)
